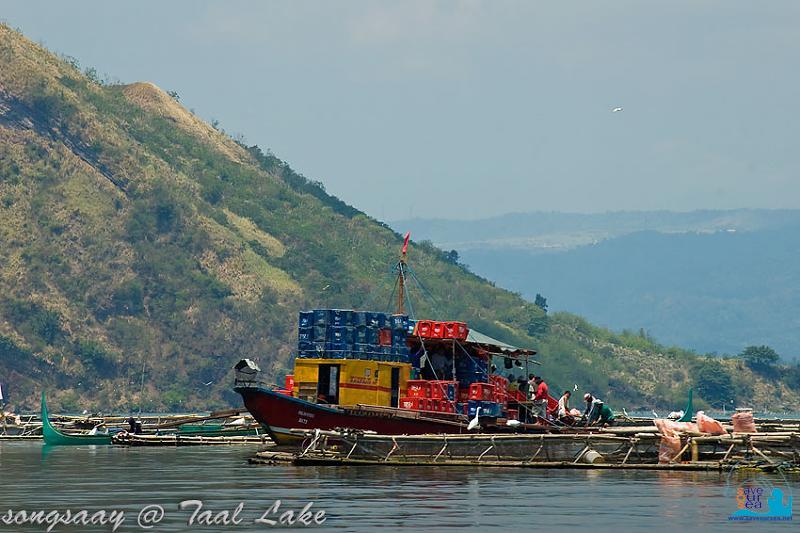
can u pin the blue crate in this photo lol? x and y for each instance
(376, 320)
(339, 317)
(305, 346)
(313, 334)
(371, 335)
(398, 322)
(332, 346)
(487, 408)
(399, 338)
(361, 348)
(340, 334)
(305, 319)
(359, 318)
(320, 317)
(360, 335)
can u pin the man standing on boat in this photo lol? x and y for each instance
(563, 409)
(540, 398)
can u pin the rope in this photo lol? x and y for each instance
(433, 301)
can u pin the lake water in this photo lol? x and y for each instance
(34, 477)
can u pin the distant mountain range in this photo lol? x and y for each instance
(713, 281)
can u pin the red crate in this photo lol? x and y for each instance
(416, 404)
(385, 337)
(498, 381)
(289, 384)
(439, 388)
(500, 396)
(456, 330)
(449, 407)
(512, 414)
(481, 391)
(462, 395)
(418, 388)
(437, 330)
(423, 328)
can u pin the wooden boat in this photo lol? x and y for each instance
(53, 436)
(364, 385)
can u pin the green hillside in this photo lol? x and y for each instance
(135, 236)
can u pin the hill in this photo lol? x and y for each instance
(144, 252)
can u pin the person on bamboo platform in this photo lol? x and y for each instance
(562, 413)
(600, 414)
(540, 398)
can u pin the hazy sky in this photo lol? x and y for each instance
(470, 109)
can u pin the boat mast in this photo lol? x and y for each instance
(401, 277)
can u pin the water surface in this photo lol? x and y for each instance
(34, 477)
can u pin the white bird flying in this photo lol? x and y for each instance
(655, 414)
(474, 422)
(209, 383)
(616, 110)
(575, 387)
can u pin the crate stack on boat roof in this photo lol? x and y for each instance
(349, 334)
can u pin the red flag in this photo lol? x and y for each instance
(405, 243)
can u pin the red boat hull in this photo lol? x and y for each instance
(279, 414)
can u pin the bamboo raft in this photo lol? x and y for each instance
(129, 439)
(601, 450)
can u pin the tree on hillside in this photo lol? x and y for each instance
(759, 357)
(451, 257)
(713, 383)
(540, 302)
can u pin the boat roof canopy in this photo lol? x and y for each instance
(495, 346)
(489, 345)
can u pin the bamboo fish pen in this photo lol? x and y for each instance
(592, 450)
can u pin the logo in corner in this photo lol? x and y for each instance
(758, 498)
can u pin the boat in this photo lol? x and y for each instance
(53, 436)
(344, 379)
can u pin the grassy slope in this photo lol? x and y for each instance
(134, 234)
